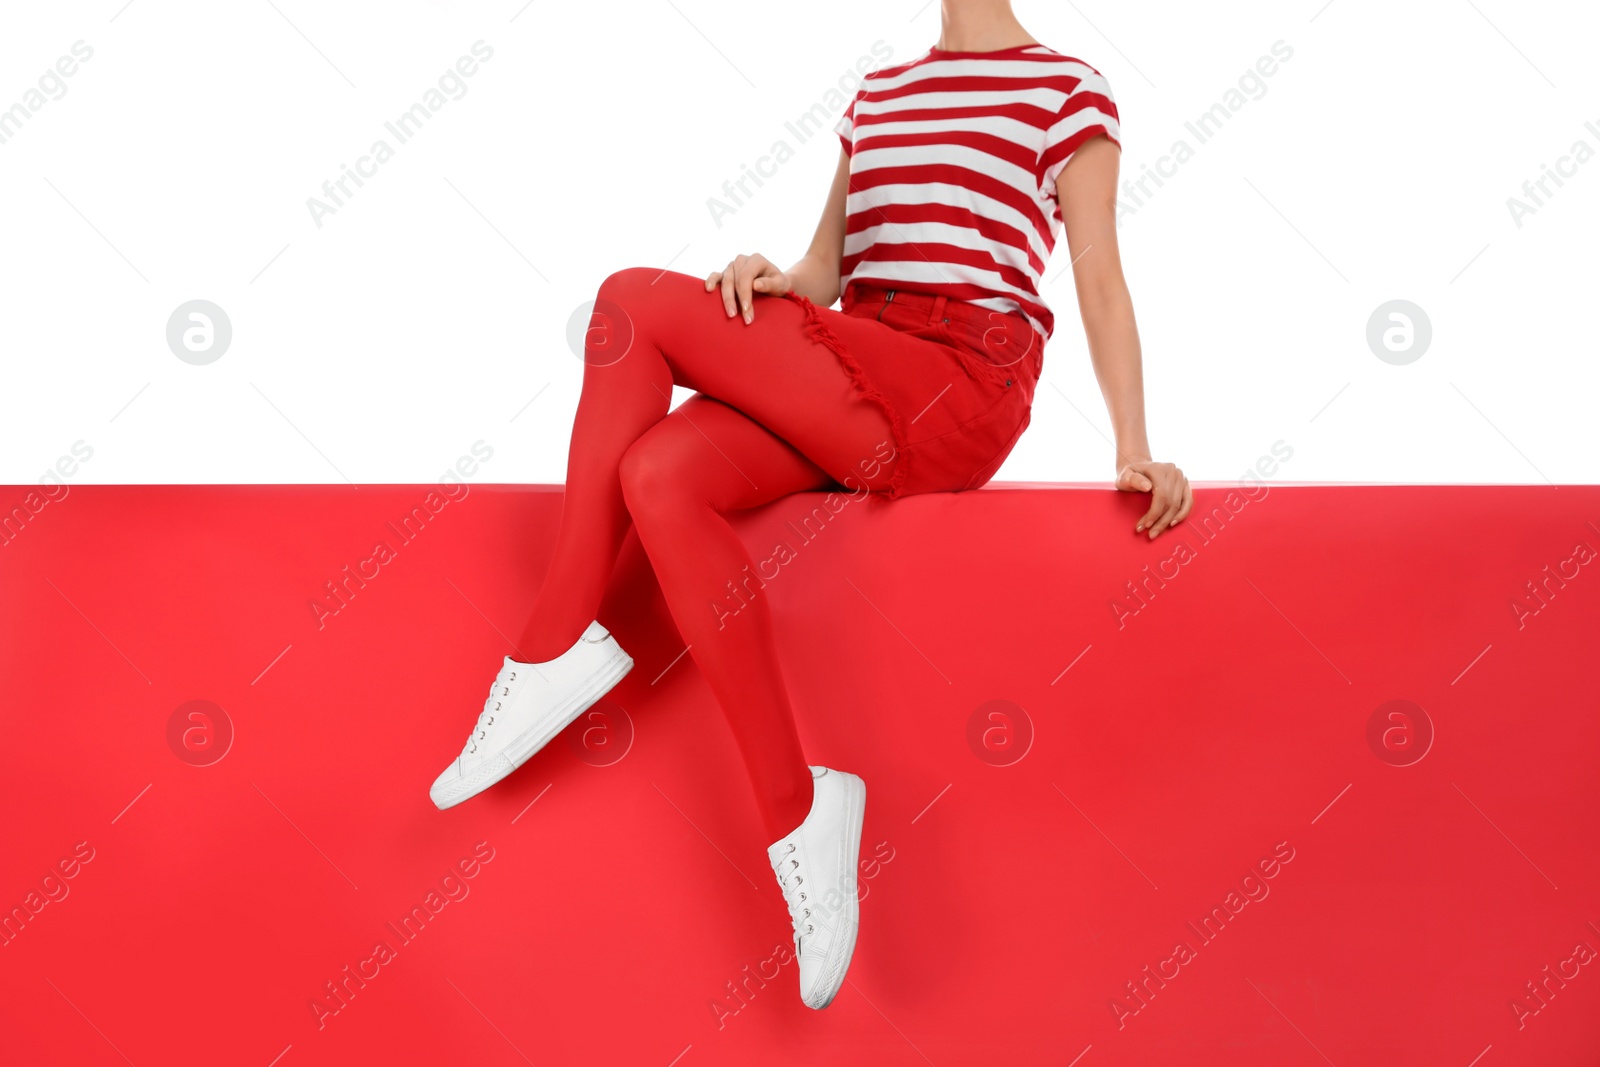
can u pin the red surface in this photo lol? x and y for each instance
(1010, 905)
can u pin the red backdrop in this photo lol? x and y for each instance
(1318, 787)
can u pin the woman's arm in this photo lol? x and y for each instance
(815, 276)
(1086, 189)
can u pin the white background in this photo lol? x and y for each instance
(432, 308)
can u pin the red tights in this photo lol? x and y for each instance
(774, 413)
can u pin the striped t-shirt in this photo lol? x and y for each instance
(953, 165)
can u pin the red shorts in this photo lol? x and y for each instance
(956, 379)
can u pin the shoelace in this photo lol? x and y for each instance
(793, 896)
(500, 689)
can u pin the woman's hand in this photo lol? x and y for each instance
(1170, 499)
(744, 276)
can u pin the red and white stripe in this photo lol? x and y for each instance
(953, 164)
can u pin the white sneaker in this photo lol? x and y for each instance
(816, 869)
(529, 704)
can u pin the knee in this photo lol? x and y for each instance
(627, 285)
(629, 280)
(630, 287)
(649, 478)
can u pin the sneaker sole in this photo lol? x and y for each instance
(855, 814)
(523, 747)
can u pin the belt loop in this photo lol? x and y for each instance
(938, 308)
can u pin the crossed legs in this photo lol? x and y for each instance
(776, 415)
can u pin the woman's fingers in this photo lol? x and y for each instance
(1174, 501)
(740, 281)
(1188, 503)
(748, 271)
(1171, 497)
(1181, 498)
(729, 278)
(1158, 507)
(756, 267)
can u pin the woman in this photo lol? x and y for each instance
(952, 184)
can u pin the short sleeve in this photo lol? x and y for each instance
(846, 126)
(1089, 111)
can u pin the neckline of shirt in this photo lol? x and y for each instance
(939, 53)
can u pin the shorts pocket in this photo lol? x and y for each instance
(996, 350)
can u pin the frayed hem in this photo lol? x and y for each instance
(818, 331)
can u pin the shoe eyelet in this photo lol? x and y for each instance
(794, 864)
(810, 929)
(802, 896)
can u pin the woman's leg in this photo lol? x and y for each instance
(679, 478)
(669, 330)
